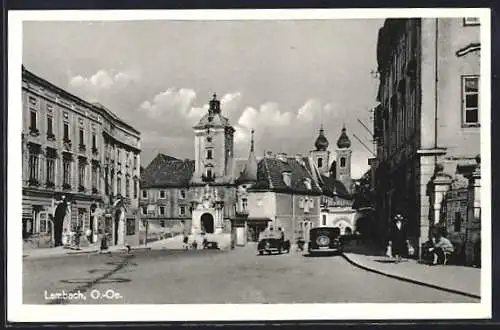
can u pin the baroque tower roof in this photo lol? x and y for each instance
(321, 143)
(343, 141)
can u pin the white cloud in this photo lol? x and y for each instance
(104, 80)
(309, 110)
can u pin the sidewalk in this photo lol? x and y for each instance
(62, 251)
(457, 279)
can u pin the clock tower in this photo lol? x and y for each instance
(214, 148)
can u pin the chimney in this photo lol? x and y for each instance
(269, 154)
(282, 156)
(298, 158)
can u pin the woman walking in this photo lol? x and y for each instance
(399, 242)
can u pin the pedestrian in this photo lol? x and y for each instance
(78, 234)
(442, 248)
(104, 241)
(185, 241)
(398, 243)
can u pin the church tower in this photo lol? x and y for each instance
(321, 156)
(214, 147)
(343, 162)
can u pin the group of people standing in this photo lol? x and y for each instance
(439, 247)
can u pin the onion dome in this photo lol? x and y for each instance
(321, 143)
(343, 141)
(249, 174)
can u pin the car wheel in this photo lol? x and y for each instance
(261, 253)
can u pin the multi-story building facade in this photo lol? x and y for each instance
(428, 118)
(78, 150)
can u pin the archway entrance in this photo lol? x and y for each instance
(207, 223)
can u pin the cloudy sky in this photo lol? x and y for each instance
(282, 78)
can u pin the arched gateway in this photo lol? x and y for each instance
(207, 223)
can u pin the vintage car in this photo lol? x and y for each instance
(272, 241)
(324, 240)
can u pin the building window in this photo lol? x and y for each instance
(209, 154)
(470, 100)
(118, 186)
(182, 194)
(135, 161)
(458, 221)
(66, 131)
(287, 178)
(307, 183)
(94, 177)
(209, 139)
(66, 173)
(33, 121)
(209, 173)
(118, 156)
(34, 167)
(50, 129)
(244, 204)
(50, 171)
(323, 220)
(82, 141)
(144, 210)
(162, 223)
(182, 210)
(144, 194)
(471, 21)
(162, 210)
(135, 189)
(94, 143)
(320, 162)
(162, 194)
(81, 175)
(127, 187)
(342, 162)
(44, 222)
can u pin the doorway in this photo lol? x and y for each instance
(207, 223)
(117, 222)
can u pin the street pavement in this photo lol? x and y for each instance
(214, 277)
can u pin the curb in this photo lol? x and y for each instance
(409, 280)
(82, 252)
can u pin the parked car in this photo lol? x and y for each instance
(324, 240)
(272, 242)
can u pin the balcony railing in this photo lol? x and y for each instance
(66, 186)
(67, 143)
(50, 184)
(81, 188)
(82, 147)
(51, 137)
(34, 131)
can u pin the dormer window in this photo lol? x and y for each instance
(209, 154)
(209, 139)
(287, 178)
(342, 162)
(307, 183)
